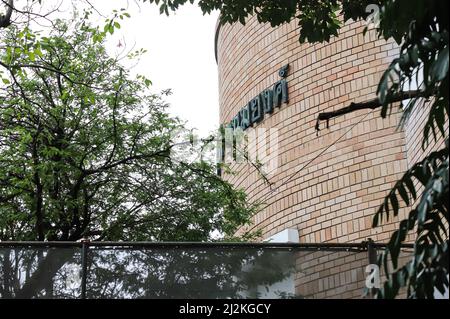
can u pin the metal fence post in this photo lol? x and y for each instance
(84, 263)
(372, 251)
(372, 256)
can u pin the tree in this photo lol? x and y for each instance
(421, 29)
(85, 150)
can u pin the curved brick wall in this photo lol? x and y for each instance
(334, 198)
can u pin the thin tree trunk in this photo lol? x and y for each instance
(5, 20)
(38, 195)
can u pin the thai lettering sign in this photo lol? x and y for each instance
(262, 105)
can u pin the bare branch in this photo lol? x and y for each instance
(372, 104)
(10, 68)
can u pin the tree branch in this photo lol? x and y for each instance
(10, 68)
(126, 160)
(5, 20)
(372, 104)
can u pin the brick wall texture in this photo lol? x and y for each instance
(327, 186)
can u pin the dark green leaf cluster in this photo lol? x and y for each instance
(318, 20)
(421, 27)
(429, 219)
(422, 30)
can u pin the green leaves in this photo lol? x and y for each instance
(85, 150)
(423, 274)
(318, 21)
(147, 82)
(110, 26)
(421, 172)
(388, 87)
(439, 68)
(424, 52)
(427, 218)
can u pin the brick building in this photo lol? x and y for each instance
(322, 187)
(327, 185)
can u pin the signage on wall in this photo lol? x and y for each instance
(264, 104)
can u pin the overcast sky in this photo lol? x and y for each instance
(180, 56)
(180, 52)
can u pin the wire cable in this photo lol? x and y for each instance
(312, 160)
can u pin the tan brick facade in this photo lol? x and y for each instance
(327, 186)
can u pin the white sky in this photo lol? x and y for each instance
(180, 57)
(180, 54)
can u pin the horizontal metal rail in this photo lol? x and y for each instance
(134, 245)
(368, 247)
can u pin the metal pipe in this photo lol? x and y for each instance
(317, 246)
(371, 251)
(84, 263)
(373, 259)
